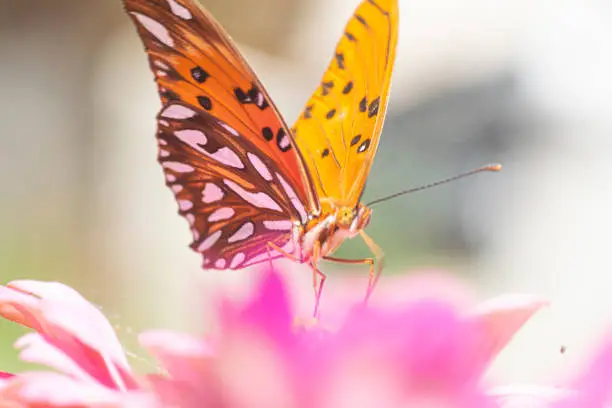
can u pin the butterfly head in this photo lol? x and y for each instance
(353, 219)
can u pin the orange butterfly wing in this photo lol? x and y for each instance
(227, 154)
(339, 130)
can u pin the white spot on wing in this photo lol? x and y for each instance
(196, 234)
(284, 142)
(260, 200)
(283, 225)
(177, 188)
(192, 137)
(161, 64)
(224, 213)
(178, 167)
(237, 260)
(185, 205)
(211, 193)
(227, 156)
(260, 99)
(178, 112)
(179, 10)
(220, 263)
(229, 129)
(196, 139)
(156, 29)
(259, 166)
(297, 204)
(245, 231)
(163, 153)
(209, 241)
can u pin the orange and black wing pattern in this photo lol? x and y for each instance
(339, 129)
(227, 154)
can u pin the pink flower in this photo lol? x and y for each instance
(421, 353)
(417, 354)
(4, 377)
(72, 337)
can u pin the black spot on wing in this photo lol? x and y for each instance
(205, 102)
(267, 133)
(340, 60)
(326, 87)
(363, 104)
(308, 112)
(325, 153)
(330, 114)
(355, 140)
(282, 140)
(348, 88)
(373, 108)
(199, 75)
(169, 95)
(251, 96)
(363, 146)
(361, 20)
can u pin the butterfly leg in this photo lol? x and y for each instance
(379, 256)
(317, 284)
(376, 264)
(272, 245)
(364, 261)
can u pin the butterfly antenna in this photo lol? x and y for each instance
(488, 167)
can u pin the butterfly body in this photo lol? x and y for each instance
(251, 188)
(328, 232)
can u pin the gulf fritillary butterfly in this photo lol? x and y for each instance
(251, 188)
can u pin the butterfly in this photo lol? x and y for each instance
(251, 188)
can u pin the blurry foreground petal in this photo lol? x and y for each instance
(41, 389)
(418, 353)
(73, 337)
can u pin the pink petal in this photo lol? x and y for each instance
(173, 393)
(66, 308)
(4, 378)
(500, 319)
(182, 355)
(190, 365)
(69, 325)
(20, 308)
(38, 389)
(269, 311)
(36, 349)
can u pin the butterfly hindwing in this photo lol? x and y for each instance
(339, 129)
(226, 152)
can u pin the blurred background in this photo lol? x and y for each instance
(524, 83)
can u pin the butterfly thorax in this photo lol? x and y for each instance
(330, 229)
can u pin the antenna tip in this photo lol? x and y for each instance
(493, 167)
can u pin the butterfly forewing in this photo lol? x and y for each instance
(238, 178)
(339, 130)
